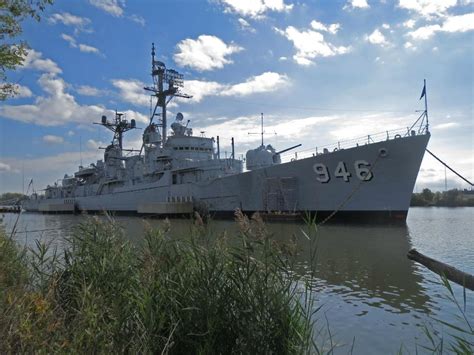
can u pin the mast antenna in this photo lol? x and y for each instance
(119, 126)
(262, 131)
(162, 76)
(80, 147)
(426, 106)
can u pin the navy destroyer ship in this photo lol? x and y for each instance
(178, 173)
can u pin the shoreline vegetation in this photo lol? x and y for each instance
(450, 198)
(201, 294)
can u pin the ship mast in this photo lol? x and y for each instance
(119, 126)
(162, 76)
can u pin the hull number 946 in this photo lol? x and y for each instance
(361, 171)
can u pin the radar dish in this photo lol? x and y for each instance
(179, 116)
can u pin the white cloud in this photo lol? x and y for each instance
(356, 4)
(88, 49)
(245, 26)
(57, 107)
(34, 60)
(137, 19)
(386, 26)
(310, 44)
(200, 89)
(112, 7)
(87, 90)
(50, 139)
(71, 40)
(409, 45)
(377, 38)
(255, 8)
(266, 82)
(6, 168)
(428, 8)
(82, 47)
(409, 23)
(70, 133)
(459, 23)
(425, 32)
(446, 125)
(131, 90)
(204, 53)
(332, 28)
(79, 23)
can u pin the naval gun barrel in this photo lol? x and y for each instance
(287, 149)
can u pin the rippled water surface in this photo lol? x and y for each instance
(373, 298)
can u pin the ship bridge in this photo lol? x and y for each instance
(185, 145)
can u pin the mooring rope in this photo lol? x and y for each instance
(446, 165)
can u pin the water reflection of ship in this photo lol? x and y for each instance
(368, 264)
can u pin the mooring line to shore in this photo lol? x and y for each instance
(446, 165)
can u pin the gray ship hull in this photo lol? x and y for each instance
(373, 181)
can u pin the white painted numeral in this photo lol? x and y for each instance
(322, 171)
(362, 169)
(341, 171)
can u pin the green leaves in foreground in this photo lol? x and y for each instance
(194, 295)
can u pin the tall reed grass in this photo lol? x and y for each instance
(201, 294)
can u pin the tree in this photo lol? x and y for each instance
(427, 195)
(13, 52)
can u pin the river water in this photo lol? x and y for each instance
(374, 300)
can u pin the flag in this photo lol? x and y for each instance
(423, 93)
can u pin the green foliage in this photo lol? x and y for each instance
(450, 198)
(12, 53)
(201, 294)
(460, 338)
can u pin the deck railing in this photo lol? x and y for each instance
(350, 143)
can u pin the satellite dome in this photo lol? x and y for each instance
(179, 116)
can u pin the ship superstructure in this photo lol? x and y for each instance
(179, 172)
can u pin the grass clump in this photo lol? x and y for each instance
(194, 295)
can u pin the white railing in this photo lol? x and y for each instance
(350, 143)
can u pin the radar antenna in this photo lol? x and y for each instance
(162, 76)
(119, 126)
(262, 132)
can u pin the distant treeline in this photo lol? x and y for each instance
(450, 198)
(10, 196)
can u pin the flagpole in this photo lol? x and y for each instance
(426, 106)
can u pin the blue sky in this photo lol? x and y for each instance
(320, 71)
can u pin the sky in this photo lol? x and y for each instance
(321, 72)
